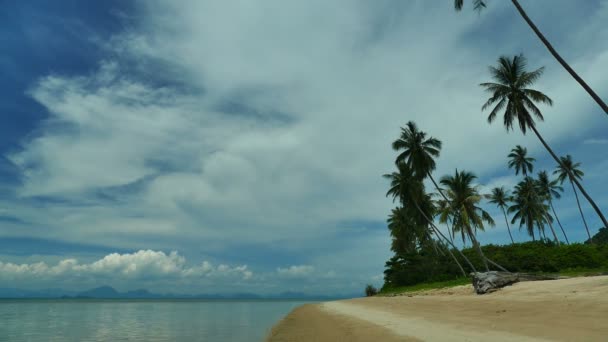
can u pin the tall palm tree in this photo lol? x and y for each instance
(510, 92)
(500, 197)
(481, 4)
(550, 189)
(528, 207)
(568, 169)
(468, 215)
(519, 160)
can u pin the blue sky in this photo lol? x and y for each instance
(203, 146)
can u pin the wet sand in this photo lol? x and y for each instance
(557, 310)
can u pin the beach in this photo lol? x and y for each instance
(574, 309)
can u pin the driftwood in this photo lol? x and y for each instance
(485, 282)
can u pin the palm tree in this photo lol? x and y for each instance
(568, 169)
(551, 189)
(510, 92)
(409, 189)
(481, 4)
(528, 207)
(418, 152)
(519, 160)
(468, 216)
(500, 197)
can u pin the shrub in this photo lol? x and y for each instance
(370, 290)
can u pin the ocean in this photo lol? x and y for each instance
(140, 320)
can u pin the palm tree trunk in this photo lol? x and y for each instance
(560, 224)
(559, 58)
(541, 231)
(572, 178)
(438, 232)
(580, 210)
(450, 229)
(552, 230)
(464, 274)
(507, 222)
(483, 257)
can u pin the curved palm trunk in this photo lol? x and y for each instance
(560, 224)
(572, 178)
(507, 222)
(580, 210)
(559, 58)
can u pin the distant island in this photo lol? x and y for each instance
(108, 292)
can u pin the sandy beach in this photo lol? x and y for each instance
(573, 309)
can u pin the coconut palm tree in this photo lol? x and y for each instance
(418, 152)
(500, 197)
(550, 189)
(481, 4)
(468, 215)
(528, 207)
(510, 93)
(409, 189)
(519, 160)
(568, 169)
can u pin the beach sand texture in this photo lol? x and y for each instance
(573, 309)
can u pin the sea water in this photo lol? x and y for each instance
(140, 320)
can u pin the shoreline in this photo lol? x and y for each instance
(574, 309)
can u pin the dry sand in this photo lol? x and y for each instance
(555, 310)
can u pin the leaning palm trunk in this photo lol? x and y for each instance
(580, 210)
(451, 232)
(483, 257)
(572, 178)
(559, 58)
(507, 222)
(439, 233)
(560, 224)
(464, 274)
(552, 230)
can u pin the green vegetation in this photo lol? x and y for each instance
(527, 257)
(370, 290)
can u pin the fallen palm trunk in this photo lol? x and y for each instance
(486, 282)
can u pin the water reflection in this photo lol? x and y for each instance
(109, 320)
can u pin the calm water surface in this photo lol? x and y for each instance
(139, 320)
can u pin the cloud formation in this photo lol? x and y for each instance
(143, 264)
(209, 126)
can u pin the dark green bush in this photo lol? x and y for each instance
(370, 290)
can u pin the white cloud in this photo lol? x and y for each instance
(143, 264)
(296, 271)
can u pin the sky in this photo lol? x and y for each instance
(216, 147)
